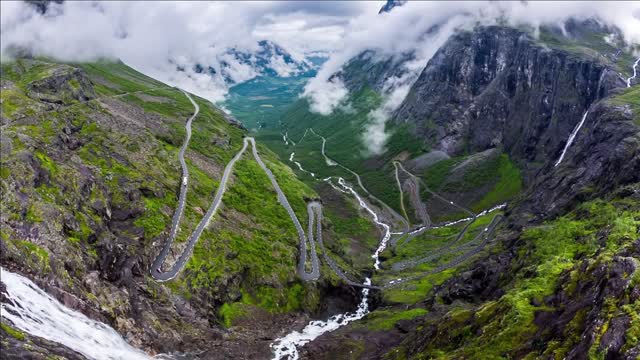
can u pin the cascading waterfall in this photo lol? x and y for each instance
(584, 117)
(32, 310)
(287, 347)
(571, 138)
(635, 72)
(387, 228)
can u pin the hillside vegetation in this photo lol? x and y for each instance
(90, 177)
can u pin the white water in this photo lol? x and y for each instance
(635, 72)
(300, 165)
(287, 347)
(328, 180)
(32, 310)
(572, 137)
(387, 228)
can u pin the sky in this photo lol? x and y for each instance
(146, 35)
(156, 37)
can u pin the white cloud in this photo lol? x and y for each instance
(405, 30)
(327, 97)
(147, 35)
(154, 37)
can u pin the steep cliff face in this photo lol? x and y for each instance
(496, 86)
(604, 155)
(563, 278)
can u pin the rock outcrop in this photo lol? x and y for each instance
(497, 86)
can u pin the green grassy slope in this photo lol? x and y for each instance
(591, 42)
(631, 97)
(561, 256)
(343, 130)
(97, 181)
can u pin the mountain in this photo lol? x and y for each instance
(527, 104)
(90, 181)
(235, 66)
(499, 219)
(260, 102)
(545, 123)
(390, 5)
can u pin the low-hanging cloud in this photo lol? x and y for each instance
(396, 88)
(157, 38)
(406, 30)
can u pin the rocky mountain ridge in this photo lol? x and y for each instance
(561, 281)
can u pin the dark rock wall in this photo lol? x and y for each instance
(497, 86)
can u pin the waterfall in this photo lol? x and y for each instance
(33, 311)
(571, 138)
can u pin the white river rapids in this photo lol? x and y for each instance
(287, 347)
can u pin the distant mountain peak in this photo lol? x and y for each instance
(390, 5)
(237, 65)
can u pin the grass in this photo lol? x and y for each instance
(553, 251)
(264, 250)
(508, 186)
(35, 254)
(498, 172)
(435, 175)
(114, 77)
(385, 320)
(15, 103)
(25, 71)
(342, 130)
(415, 290)
(589, 43)
(228, 313)
(631, 97)
(249, 252)
(260, 102)
(47, 163)
(14, 333)
(153, 221)
(34, 214)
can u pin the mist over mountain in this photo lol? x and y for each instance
(319, 180)
(163, 39)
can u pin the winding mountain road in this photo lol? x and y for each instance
(450, 247)
(174, 270)
(401, 191)
(307, 242)
(314, 210)
(359, 180)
